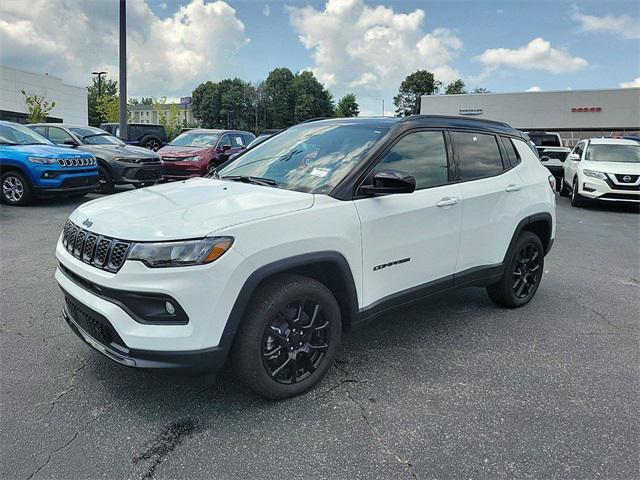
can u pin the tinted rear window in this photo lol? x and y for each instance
(478, 155)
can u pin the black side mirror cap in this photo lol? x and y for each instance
(545, 158)
(387, 182)
(70, 142)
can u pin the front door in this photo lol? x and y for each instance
(409, 240)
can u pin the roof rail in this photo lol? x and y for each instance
(316, 119)
(459, 117)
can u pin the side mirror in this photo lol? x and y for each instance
(390, 181)
(545, 158)
(70, 142)
(224, 148)
(573, 156)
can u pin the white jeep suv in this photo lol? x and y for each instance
(606, 169)
(326, 224)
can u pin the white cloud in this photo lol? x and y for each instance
(535, 88)
(166, 56)
(623, 25)
(632, 84)
(371, 49)
(266, 11)
(538, 54)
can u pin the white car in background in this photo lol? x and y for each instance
(605, 169)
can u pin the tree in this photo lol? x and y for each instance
(455, 88)
(109, 89)
(141, 101)
(229, 103)
(107, 108)
(312, 100)
(279, 98)
(348, 106)
(415, 85)
(37, 106)
(480, 90)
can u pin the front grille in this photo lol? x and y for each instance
(76, 162)
(85, 181)
(622, 184)
(150, 161)
(100, 251)
(621, 178)
(172, 159)
(94, 324)
(620, 196)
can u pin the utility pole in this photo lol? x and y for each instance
(99, 74)
(123, 70)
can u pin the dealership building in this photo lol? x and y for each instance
(70, 100)
(575, 114)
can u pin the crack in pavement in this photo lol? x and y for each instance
(385, 447)
(69, 442)
(165, 443)
(622, 328)
(70, 386)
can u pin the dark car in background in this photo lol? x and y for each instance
(148, 135)
(196, 152)
(32, 166)
(263, 136)
(118, 163)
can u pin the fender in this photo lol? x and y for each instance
(17, 165)
(536, 217)
(290, 264)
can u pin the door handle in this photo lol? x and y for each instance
(512, 188)
(447, 201)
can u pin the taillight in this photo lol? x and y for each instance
(552, 183)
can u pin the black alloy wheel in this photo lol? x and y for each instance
(526, 270)
(295, 342)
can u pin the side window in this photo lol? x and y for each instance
(421, 154)
(512, 153)
(237, 140)
(579, 149)
(247, 139)
(58, 135)
(41, 130)
(225, 141)
(478, 155)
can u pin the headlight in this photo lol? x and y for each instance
(42, 160)
(594, 174)
(127, 160)
(191, 159)
(180, 254)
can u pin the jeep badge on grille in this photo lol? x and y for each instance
(87, 223)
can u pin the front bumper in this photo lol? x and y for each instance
(130, 173)
(183, 170)
(69, 186)
(597, 189)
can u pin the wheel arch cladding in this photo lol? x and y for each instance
(538, 224)
(329, 268)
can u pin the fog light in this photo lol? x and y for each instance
(170, 308)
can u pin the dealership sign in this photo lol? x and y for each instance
(470, 111)
(586, 109)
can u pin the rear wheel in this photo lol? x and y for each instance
(288, 338)
(522, 274)
(15, 190)
(152, 143)
(564, 191)
(577, 200)
(105, 181)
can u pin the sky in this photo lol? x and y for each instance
(365, 47)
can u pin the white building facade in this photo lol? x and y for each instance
(71, 101)
(575, 114)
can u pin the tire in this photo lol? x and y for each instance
(564, 191)
(521, 277)
(144, 184)
(270, 357)
(152, 143)
(15, 189)
(105, 180)
(577, 200)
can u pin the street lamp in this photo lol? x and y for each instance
(99, 74)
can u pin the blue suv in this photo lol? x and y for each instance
(32, 166)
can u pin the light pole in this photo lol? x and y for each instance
(123, 70)
(99, 74)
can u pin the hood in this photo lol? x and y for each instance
(187, 209)
(47, 151)
(612, 167)
(178, 151)
(129, 151)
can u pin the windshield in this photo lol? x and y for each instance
(95, 136)
(613, 153)
(18, 135)
(309, 157)
(196, 139)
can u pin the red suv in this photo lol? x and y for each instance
(195, 152)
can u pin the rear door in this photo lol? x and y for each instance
(409, 240)
(493, 198)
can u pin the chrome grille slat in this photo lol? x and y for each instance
(100, 251)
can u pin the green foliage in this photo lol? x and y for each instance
(480, 90)
(455, 88)
(108, 89)
(348, 106)
(282, 100)
(141, 101)
(107, 108)
(420, 82)
(38, 107)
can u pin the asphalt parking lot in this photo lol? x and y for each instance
(452, 388)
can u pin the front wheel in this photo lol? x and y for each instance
(522, 273)
(577, 200)
(15, 189)
(288, 338)
(105, 181)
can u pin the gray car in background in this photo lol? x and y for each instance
(118, 163)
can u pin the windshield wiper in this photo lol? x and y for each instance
(9, 143)
(250, 179)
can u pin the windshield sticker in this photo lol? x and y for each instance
(320, 172)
